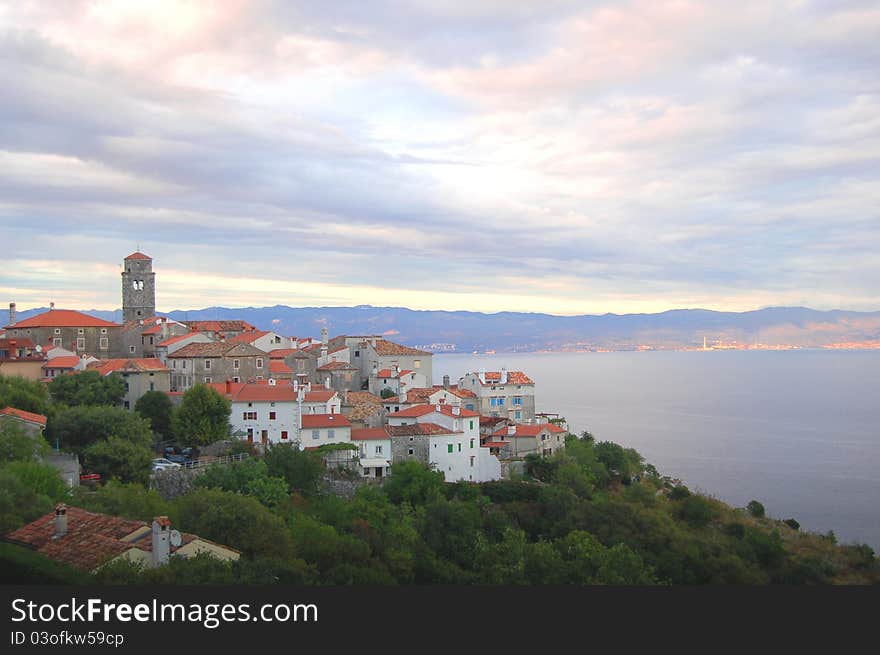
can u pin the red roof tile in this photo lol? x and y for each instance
(248, 337)
(91, 538)
(367, 434)
(63, 318)
(30, 417)
(319, 396)
(529, 430)
(138, 255)
(417, 429)
(281, 353)
(513, 377)
(65, 361)
(262, 393)
(334, 366)
(313, 421)
(141, 365)
(422, 410)
(279, 367)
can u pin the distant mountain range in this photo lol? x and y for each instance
(525, 332)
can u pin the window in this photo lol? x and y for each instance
(57, 330)
(472, 443)
(449, 448)
(411, 451)
(236, 364)
(236, 379)
(57, 343)
(517, 400)
(378, 450)
(472, 460)
(518, 415)
(459, 447)
(259, 363)
(208, 379)
(81, 331)
(271, 416)
(412, 438)
(207, 364)
(331, 434)
(249, 416)
(103, 330)
(284, 435)
(126, 405)
(80, 344)
(152, 386)
(316, 434)
(357, 353)
(472, 425)
(103, 343)
(417, 363)
(501, 402)
(184, 364)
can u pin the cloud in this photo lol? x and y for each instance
(561, 157)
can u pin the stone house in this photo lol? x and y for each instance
(506, 394)
(75, 331)
(216, 361)
(517, 441)
(139, 375)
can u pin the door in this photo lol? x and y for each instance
(250, 435)
(378, 471)
(264, 437)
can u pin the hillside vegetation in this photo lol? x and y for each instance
(593, 514)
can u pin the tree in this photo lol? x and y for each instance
(78, 427)
(203, 417)
(414, 483)
(120, 459)
(156, 407)
(250, 477)
(386, 393)
(19, 504)
(27, 395)
(755, 508)
(233, 520)
(87, 388)
(17, 445)
(129, 500)
(301, 469)
(40, 478)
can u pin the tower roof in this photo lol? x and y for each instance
(137, 255)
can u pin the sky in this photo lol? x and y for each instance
(548, 156)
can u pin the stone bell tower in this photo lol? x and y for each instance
(138, 288)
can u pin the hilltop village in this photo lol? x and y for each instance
(371, 394)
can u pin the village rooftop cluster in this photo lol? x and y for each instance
(377, 395)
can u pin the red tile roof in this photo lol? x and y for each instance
(418, 429)
(279, 367)
(494, 444)
(385, 347)
(219, 326)
(63, 318)
(513, 377)
(217, 349)
(529, 430)
(367, 434)
(91, 538)
(65, 361)
(17, 342)
(248, 337)
(334, 366)
(172, 340)
(30, 417)
(263, 393)
(138, 255)
(422, 410)
(281, 353)
(455, 390)
(356, 397)
(142, 365)
(320, 396)
(312, 421)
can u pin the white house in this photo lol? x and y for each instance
(449, 441)
(374, 450)
(263, 413)
(265, 340)
(320, 429)
(173, 344)
(396, 380)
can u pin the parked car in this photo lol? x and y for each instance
(90, 477)
(162, 463)
(179, 459)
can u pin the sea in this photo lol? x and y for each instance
(797, 430)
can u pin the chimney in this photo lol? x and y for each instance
(228, 386)
(296, 385)
(503, 375)
(438, 408)
(446, 382)
(60, 520)
(511, 430)
(324, 334)
(327, 382)
(161, 540)
(11, 313)
(51, 306)
(373, 340)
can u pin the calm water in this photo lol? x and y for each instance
(797, 430)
